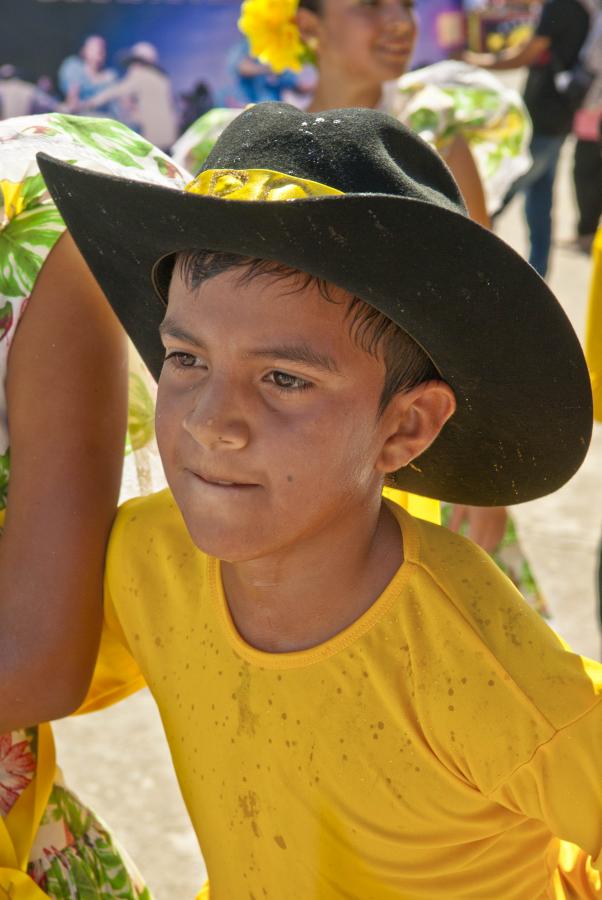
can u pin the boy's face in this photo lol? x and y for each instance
(267, 413)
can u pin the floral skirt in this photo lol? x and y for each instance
(75, 857)
(72, 856)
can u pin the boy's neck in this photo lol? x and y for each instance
(304, 595)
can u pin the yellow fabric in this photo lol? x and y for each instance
(431, 750)
(593, 337)
(117, 675)
(15, 885)
(256, 184)
(420, 507)
(18, 829)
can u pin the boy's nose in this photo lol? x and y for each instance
(214, 423)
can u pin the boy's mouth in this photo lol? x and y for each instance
(220, 482)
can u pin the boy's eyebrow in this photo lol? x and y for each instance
(301, 353)
(170, 327)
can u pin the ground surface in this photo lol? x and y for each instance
(117, 759)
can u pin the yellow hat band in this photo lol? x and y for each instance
(256, 184)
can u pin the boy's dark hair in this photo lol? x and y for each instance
(406, 363)
(313, 5)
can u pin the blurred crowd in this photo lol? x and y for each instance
(135, 88)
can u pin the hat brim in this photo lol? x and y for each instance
(493, 329)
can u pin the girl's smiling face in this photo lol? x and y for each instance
(368, 40)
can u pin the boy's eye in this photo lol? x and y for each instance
(183, 360)
(287, 382)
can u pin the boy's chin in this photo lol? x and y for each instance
(228, 545)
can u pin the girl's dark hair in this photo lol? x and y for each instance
(313, 5)
(406, 363)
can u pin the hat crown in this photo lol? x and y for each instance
(356, 151)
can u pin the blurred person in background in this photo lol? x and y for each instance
(194, 104)
(252, 81)
(554, 47)
(19, 97)
(145, 94)
(587, 128)
(84, 75)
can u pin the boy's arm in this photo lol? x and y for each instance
(561, 784)
(67, 408)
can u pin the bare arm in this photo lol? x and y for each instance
(67, 406)
(116, 91)
(512, 58)
(463, 167)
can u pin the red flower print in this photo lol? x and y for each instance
(16, 770)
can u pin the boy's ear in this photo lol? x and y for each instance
(412, 422)
(307, 23)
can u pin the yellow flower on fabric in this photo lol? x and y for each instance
(272, 32)
(13, 201)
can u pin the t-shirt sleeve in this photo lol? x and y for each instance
(561, 784)
(116, 674)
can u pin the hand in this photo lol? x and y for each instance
(485, 524)
(482, 60)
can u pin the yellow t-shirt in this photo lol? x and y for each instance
(433, 749)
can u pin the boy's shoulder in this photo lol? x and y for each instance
(152, 519)
(472, 612)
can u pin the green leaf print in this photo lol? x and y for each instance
(35, 229)
(4, 476)
(424, 120)
(91, 868)
(167, 168)
(57, 885)
(63, 805)
(205, 131)
(83, 880)
(6, 318)
(473, 105)
(141, 413)
(114, 140)
(33, 188)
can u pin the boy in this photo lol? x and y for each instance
(357, 704)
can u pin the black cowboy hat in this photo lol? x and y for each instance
(398, 237)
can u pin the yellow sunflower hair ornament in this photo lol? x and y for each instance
(273, 35)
